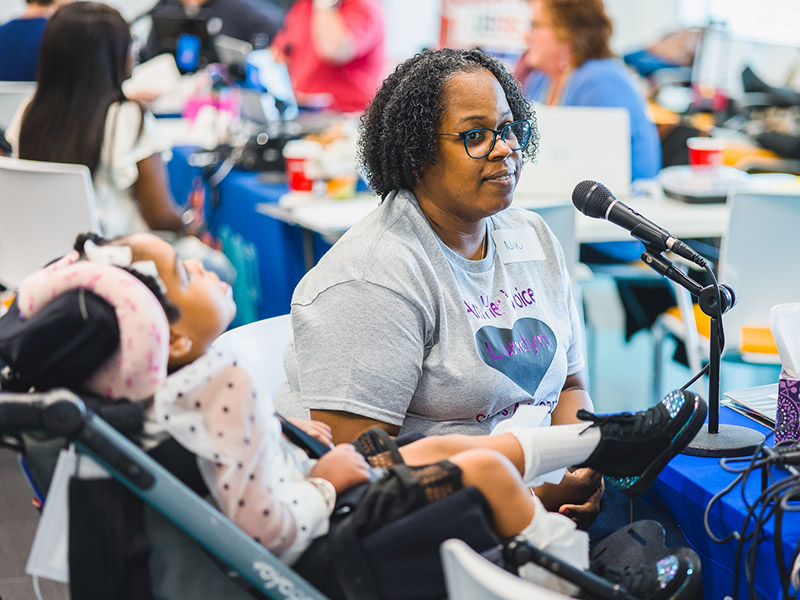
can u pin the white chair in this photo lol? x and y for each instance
(259, 348)
(758, 259)
(12, 94)
(469, 576)
(43, 206)
(560, 217)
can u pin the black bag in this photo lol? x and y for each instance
(399, 561)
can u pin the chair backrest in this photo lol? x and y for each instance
(259, 349)
(12, 94)
(560, 217)
(469, 576)
(758, 258)
(43, 206)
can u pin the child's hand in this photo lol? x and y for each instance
(343, 466)
(316, 429)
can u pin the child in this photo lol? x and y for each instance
(284, 500)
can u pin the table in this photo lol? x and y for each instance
(683, 490)
(333, 218)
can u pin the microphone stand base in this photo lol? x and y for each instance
(731, 440)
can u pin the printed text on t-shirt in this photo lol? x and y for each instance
(488, 309)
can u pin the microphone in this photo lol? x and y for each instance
(595, 200)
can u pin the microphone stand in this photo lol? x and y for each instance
(719, 440)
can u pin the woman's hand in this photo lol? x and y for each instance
(316, 429)
(584, 514)
(577, 496)
(343, 466)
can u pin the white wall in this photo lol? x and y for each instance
(638, 23)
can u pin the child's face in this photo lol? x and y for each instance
(205, 302)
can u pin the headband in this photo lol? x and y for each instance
(139, 364)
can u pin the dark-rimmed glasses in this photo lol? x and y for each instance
(479, 142)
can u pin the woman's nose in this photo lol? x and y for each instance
(501, 148)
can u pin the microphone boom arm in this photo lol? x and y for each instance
(661, 265)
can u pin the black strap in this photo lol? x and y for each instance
(352, 567)
(311, 445)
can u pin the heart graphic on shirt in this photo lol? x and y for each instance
(522, 353)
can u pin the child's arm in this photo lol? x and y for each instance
(258, 477)
(316, 429)
(343, 466)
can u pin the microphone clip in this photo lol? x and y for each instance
(707, 297)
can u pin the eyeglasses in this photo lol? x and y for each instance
(480, 142)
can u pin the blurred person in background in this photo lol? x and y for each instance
(335, 48)
(20, 39)
(79, 114)
(253, 21)
(569, 62)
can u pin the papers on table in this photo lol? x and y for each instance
(759, 403)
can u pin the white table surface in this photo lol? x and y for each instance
(331, 218)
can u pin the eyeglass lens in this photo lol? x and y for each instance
(480, 142)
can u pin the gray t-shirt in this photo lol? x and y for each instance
(393, 325)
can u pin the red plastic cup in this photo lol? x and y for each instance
(297, 155)
(705, 151)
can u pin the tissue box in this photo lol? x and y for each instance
(787, 420)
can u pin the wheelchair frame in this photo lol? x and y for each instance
(63, 413)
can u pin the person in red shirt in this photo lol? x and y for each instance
(334, 47)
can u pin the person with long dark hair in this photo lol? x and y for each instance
(79, 114)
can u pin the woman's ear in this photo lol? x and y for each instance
(180, 345)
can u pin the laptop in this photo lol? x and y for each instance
(578, 143)
(232, 52)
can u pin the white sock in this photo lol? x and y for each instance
(549, 448)
(556, 534)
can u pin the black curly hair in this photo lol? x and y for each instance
(173, 312)
(398, 129)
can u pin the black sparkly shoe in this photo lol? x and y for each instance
(634, 447)
(674, 577)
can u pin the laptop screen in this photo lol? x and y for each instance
(578, 143)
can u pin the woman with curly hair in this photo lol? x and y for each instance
(445, 310)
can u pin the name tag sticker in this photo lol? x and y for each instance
(517, 245)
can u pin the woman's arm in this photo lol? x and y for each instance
(573, 397)
(151, 191)
(346, 426)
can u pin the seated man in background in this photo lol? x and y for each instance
(20, 39)
(334, 47)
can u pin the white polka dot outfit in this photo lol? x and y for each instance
(258, 477)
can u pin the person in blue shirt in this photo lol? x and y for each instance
(20, 39)
(569, 62)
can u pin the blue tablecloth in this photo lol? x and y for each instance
(276, 247)
(683, 490)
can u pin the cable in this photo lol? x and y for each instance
(700, 373)
(772, 502)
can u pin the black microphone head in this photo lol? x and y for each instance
(592, 198)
